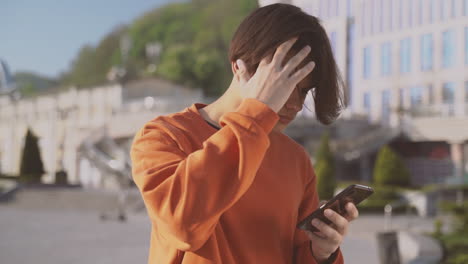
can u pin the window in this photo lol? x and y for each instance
(466, 45)
(416, 96)
(405, 55)
(426, 52)
(432, 10)
(322, 8)
(367, 102)
(390, 15)
(337, 8)
(466, 92)
(465, 7)
(363, 19)
(410, 13)
(381, 14)
(448, 97)
(400, 14)
(400, 97)
(350, 60)
(333, 42)
(430, 91)
(349, 10)
(453, 10)
(367, 62)
(421, 12)
(372, 16)
(385, 106)
(443, 7)
(386, 59)
(448, 49)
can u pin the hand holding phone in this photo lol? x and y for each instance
(354, 193)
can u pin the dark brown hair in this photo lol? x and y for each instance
(267, 27)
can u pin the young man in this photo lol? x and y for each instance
(221, 183)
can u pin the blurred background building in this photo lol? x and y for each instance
(405, 63)
(73, 126)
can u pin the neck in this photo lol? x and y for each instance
(228, 102)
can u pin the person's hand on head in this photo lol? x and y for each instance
(329, 238)
(273, 83)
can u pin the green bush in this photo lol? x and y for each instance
(325, 169)
(389, 169)
(455, 243)
(31, 168)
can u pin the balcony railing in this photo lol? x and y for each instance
(438, 110)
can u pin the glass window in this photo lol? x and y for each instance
(333, 42)
(448, 97)
(367, 102)
(465, 7)
(416, 96)
(466, 92)
(448, 48)
(337, 8)
(443, 8)
(448, 93)
(363, 19)
(432, 10)
(386, 59)
(453, 10)
(385, 105)
(367, 62)
(400, 97)
(349, 9)
(372, 16)
(426, 52)
(405, 55)
(400, 14)
(420, 12)
(430, 91)
(350, 61)
(410, 13)
(381, 14)
(322, 8)
(390, 15)
(466, 45)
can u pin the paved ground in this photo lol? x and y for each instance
(57, 235)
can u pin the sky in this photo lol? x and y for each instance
(44, 36)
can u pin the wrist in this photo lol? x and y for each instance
(320, 258)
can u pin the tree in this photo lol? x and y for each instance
(389, 169)
(325, 169)
(31, 169)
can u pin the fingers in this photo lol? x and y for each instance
(351, 212)
(339, 221)
(303, 72)
(282, 50)
(294, 62)
(327, 232)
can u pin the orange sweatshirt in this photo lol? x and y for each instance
(228, 196)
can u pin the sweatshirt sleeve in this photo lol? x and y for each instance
(302, 243)
(186, 193)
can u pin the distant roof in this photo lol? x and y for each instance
(156, 88)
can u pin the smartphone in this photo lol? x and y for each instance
(355, 193)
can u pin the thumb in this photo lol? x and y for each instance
(242, 72)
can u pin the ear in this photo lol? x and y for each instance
(240, 71)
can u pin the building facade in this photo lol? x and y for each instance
(405, 63)
(68, 123)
